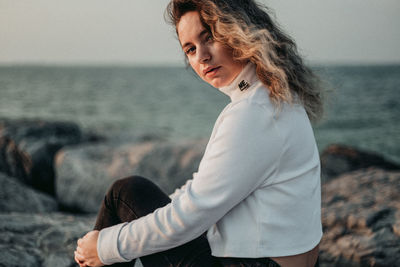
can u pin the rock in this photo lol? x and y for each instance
(36, 240)
(85, 173)
(15, 196)
(27, 149)
(338, 159)
(361, 218)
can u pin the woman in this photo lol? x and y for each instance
(255, 199)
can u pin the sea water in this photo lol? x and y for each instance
(362, 106)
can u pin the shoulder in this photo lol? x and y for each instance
(247, 113)
(249, 118)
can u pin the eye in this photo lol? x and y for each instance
(190, 50)
(209, 38)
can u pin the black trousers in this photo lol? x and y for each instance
(134, 197)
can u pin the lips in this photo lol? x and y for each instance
(210, 70)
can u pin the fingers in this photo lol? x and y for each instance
(86, 253)
(76, 259)
(88, 234)
(81, 263)
(79, 258)
(80, 251)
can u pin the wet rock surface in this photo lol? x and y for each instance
(40, 239)
(15, 196)
(28, 146)
(85, 173)
(337, 159)
(361, 219)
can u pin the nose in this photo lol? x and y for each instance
(203, 54)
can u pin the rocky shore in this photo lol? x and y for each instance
(53, 177)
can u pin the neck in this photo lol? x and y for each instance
(243, 81)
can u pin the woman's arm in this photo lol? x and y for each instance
(243, 152)
(181, 189)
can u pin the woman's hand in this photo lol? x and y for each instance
(86, 251)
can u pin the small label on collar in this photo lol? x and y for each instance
(243, 85)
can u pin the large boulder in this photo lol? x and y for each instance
(337, 159)
(361, 219)
(35, 240)
(15, 196)
(85, 173)
(28, 146)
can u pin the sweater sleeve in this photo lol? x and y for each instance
(243, 153)
(181, 189)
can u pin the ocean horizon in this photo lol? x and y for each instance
(361, 110)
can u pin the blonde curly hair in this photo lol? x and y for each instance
(249, 30)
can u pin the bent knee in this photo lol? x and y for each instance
(129, 184)
(140, 191)
(135, 185)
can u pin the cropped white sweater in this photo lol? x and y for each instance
(257, 189)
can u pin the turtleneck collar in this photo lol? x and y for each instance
(245, 79)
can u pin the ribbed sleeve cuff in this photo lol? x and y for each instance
(107, 245)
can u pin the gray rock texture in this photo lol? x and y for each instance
(15, 196)
(361, 219)
(28, 146)
(86, 172)
(360, 207)
(35, 240)
(337, 159)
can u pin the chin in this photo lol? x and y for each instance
(217, 83)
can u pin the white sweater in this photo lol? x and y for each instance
(257, 189)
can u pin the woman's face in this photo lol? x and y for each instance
(211, 60)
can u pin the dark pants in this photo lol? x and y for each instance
(134, 197)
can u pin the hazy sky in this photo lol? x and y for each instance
(134, 31)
